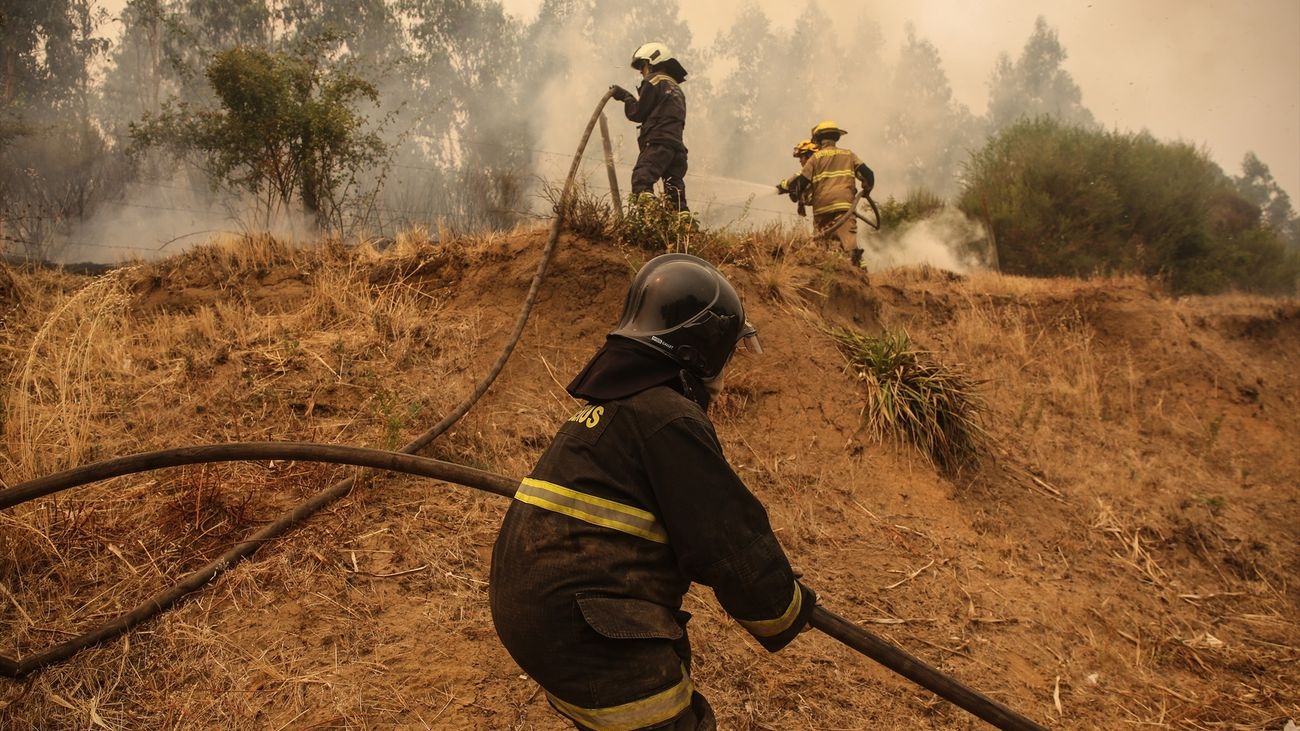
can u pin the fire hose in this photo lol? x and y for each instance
(853, 211)
(823, 619)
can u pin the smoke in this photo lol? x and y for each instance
(1215, 73)
(910, 82)
(562, 107)
(152, 219)
(948, 240)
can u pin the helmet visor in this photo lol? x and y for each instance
(749, 340)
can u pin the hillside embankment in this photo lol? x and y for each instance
(1126, 555)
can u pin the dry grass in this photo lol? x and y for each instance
(1053, 352)
(991, 283)
(778, 258)
(13, 289)
(1099, 604)
(59, 390)
(585, 213)
(83, 390)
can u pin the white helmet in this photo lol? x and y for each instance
(657, 54)
(652, 53)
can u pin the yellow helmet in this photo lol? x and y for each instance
(807, 147)
(826, 126)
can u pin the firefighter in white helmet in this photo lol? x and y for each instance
(659, 107)
(829, 174)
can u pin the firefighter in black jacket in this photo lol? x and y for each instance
(631, 503)
(659, 107)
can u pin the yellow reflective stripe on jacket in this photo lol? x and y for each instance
(591, 509)
(773, 627)
(833, 174)
(652, 711)
(662, 77)
(832, 208)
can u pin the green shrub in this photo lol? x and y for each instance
(1072, 201)
(286, 126)
(652, 224)
(919, 204)
(911, 396)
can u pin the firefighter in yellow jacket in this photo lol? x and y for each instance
(802, 152)
(830, 174)
(631, 503)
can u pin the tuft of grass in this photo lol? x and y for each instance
(585, 213)
(12, 289)
(912, 396)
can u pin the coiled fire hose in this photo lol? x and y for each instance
(823, 619)
(853, 211)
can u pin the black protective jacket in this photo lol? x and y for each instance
(631, 503)
(660, 109)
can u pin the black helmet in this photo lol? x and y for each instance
(683, 307)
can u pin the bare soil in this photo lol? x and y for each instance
(1127, 555)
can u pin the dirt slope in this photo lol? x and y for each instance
(1127, 555)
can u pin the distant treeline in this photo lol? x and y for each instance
(372, 115)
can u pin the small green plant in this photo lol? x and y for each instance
(1213, 431)
(393, 416)
(910, 395)
(1214, 503)
(650, 223)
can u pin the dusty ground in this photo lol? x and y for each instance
(1126, 557)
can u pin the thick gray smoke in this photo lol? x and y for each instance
(754, 92)
(485, 100)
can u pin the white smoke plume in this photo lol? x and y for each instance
(948, 240)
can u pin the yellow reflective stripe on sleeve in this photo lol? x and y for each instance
(652, 711)
(591, 509)
(773, 627)
(832, 208)
(832, 174)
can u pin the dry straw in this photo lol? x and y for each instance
(58, 389)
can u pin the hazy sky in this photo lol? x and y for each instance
(1224, 74)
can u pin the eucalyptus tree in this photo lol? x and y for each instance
(927, 133)
(1036, 84)
(51, 152)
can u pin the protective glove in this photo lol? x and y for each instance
(780, 187)
(868, 178)
(621, 94)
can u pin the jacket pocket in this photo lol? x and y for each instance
(625, 618)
